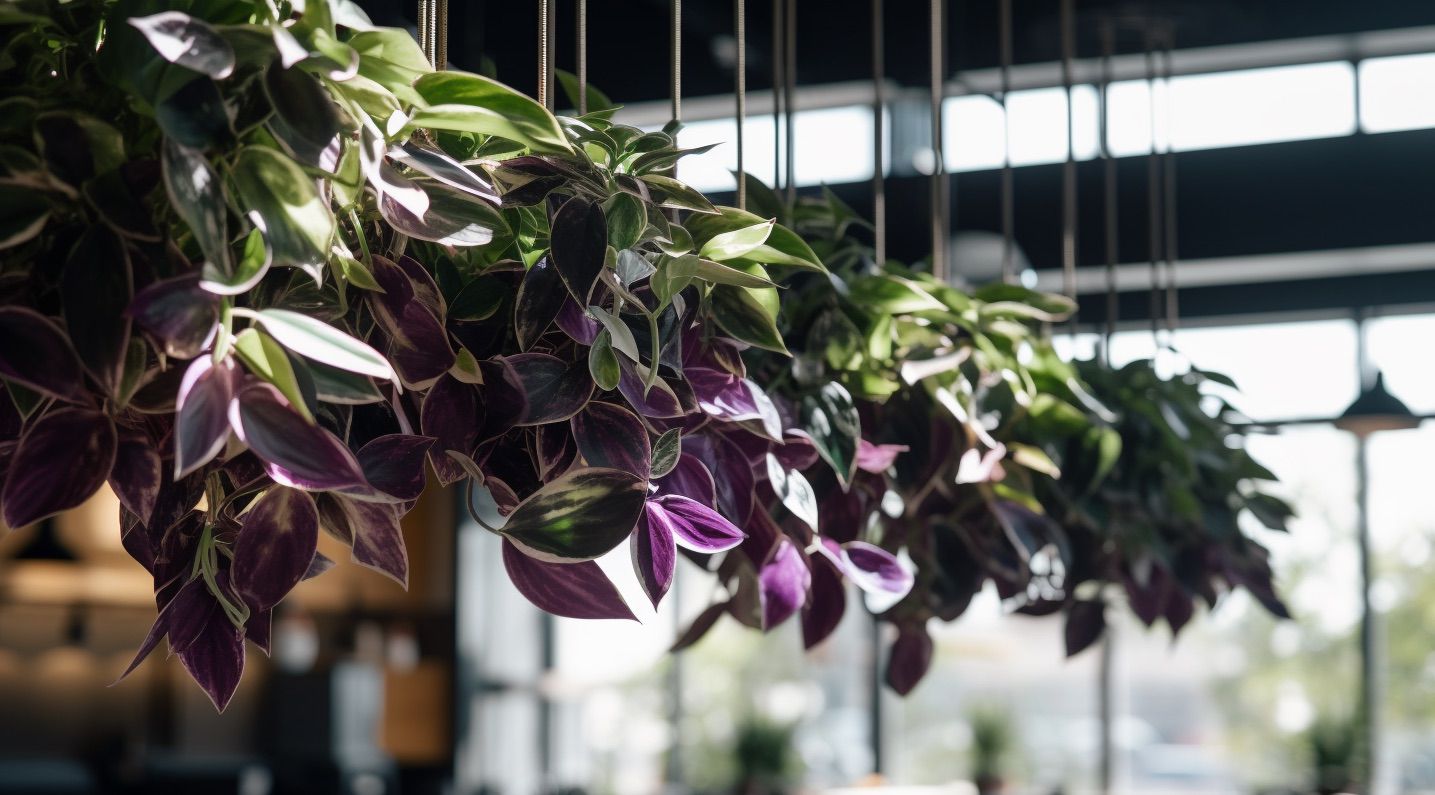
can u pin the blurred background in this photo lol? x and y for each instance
(1303, 140)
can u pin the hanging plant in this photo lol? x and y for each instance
(973, 448)
(258, 272)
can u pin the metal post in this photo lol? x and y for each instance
(1069, 212)
(740, 23)
(879, 142)
(941, 229)
(582, 57)
(1112, 209)
(779, 83)
(1008, 178)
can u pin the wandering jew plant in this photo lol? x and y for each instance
(968, 445)
(260, 272)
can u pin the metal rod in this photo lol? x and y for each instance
(1069, 176)
(789, 102)
(1368, 715)
(1109, 191)
(1106, 694)
(582, 57)
(425, 11)
(440, 40)
(1154, 215)
(879, 142)
(552, 54)
(740, 23)
(1008, 178)
(778, 83)
(938, 182)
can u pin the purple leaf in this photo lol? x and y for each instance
(202, 413)
(654, 554)
(181, 619)
(410, 314)
(571, 590)
(697, 526)
(440, 166)
(174, 555)
(294, 452)
(826, 604)
(611, 436)
(378, 537)
(178, 313)
(690, 478)
(796, 451)
(260, 628)
(556, 451)
(62, 459)
(394, 464)
(555, 390)
(453, 218)
(576, 322)
(136, 474)
(700, 626)
(728, 397)
(320, 564)
(909, 659)
(452, 414)
(1085, 624)
(504, 402)
(784, 581)
(188, 42)
(35, 354)
(276, 543)
(660, 402)
(579, 242)
(579, 516)
(732, 473)
(216, 660)
(874, 569)
(540, 297)
(877, 458)
(95, 289)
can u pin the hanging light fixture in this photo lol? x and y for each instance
(45, 546)
(1375, 409)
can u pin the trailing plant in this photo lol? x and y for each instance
(260, 268)
(983, 456)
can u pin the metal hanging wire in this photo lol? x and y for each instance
(1155, 218)
(440, 36)
(1173, 298)
(879, 142)
(582, 57)
(778, 82)
(425, 11)
(1008, 177)
(938, 181)
(545, 49)
(1069, 176)
(740, 23)
(675, 60)
(789, 51)
(1109, 191)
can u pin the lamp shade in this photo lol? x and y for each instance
(1376, 410)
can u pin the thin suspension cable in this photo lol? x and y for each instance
(675, 55)
(552, 54)
(582, 57)
(1069, 176)
(1008, 178)
(938, 181)
(1154, 216)
(879, 143)
(789, 102)
(740, 23)
(440, 40)
(1109, 188)
(778, 83)
(425, 11)
(1173, 297)
(544, 67)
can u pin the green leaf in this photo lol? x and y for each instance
(666, 450)
(626, 219)
(197, 195)
(1033, 458)
(737, 243)
(793, 489)
(580, 516)
(597, 100)
(298, 224)
(670, 193)
(747, 318)
(267, 360)
(892, 295)
(465, 368)
(676, 273)
(603, 363)
(782, 247)
(315, 339)
(831, 418)
(621, 336)
(391, 58)
(469, 103)
(23, 214)
(333, 385)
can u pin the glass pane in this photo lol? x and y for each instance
(1397, 93)
(1399, 347)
